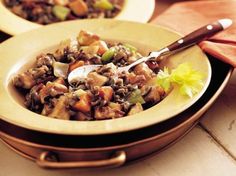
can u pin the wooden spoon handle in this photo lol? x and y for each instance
(200, 34)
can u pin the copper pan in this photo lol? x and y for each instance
(64, 151)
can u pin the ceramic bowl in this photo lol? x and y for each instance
(19, 52)
(133, 10)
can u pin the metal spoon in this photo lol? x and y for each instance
(187, 41)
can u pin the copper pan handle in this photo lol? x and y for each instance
(117, 160)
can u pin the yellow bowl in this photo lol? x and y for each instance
(133, 10)
(19, 52)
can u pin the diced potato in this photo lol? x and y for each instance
(94, 79)
(87, 38)
(60, 110)
(60, 69)
(102, 46)
(143, 69)
(75, 65)
(84, 104)
(136, 109)
(106, 92)
(92, 50)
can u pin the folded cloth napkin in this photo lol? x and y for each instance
(184, 17)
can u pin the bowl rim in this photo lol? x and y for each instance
(104, 127)
(14, 25)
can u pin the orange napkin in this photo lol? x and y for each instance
(185, 17)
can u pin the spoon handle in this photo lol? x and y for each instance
(200, 34)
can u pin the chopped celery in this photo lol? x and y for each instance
(103, 4)
(136, 97)
(107, 56)
(188, 79)
(164, 79)
(60, 12)
(130, 47)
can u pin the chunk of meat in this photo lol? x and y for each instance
(143, 69)
(61, 110)
(136, 109)
(82, 117)
(52, 89)
(136, 79)
(107, 112)
(33, 99)
(45, 59)
(95, 79)
(28, 79)
(87, 38)
(155, 94)
(24, 80)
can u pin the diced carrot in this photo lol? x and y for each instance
(106, 92)
(83, 104)
(102, 46)
(79, 7)
(75, 65)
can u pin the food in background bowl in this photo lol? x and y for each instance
(103, 94)
(51, 11)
